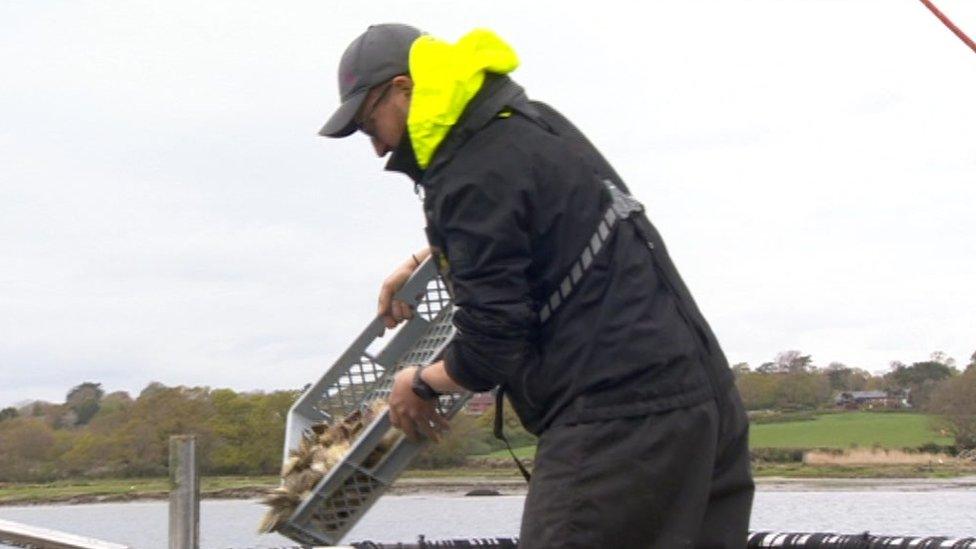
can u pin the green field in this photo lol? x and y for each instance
(834, 430)
(843, 430)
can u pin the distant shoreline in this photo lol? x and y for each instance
(461, 485)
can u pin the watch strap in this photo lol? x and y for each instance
(421, 388)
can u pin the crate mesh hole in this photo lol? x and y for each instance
(435, 298)
(348, 391)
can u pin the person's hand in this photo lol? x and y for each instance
(392, 310)
(412, 414)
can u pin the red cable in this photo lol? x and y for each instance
(958, 32)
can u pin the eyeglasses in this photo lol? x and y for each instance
(365, 122)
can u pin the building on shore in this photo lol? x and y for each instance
(479, 403)
(870, 400)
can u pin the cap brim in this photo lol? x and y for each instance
(341, 123)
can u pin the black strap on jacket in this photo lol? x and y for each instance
(500, 430)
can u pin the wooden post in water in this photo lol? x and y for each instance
(184, 493)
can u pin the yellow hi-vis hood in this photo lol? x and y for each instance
(445, 78)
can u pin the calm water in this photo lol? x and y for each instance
(231, 523)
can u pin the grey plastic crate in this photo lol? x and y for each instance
(361, 375)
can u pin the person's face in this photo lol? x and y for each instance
(383, 115)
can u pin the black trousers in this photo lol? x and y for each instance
(671, 480)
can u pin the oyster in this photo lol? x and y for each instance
(322, 447)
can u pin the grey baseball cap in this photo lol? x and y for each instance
(376, 56)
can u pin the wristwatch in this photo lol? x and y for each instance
(421, 388)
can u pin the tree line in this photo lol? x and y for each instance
(94, 434)
(114, 435)
(793, 382)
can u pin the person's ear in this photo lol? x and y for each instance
(403, 83)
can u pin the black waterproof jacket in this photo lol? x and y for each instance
(512, 197)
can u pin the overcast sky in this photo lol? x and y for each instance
(168, 213)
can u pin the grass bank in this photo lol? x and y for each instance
(114, 490)
(455, 480)
(97, 490)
